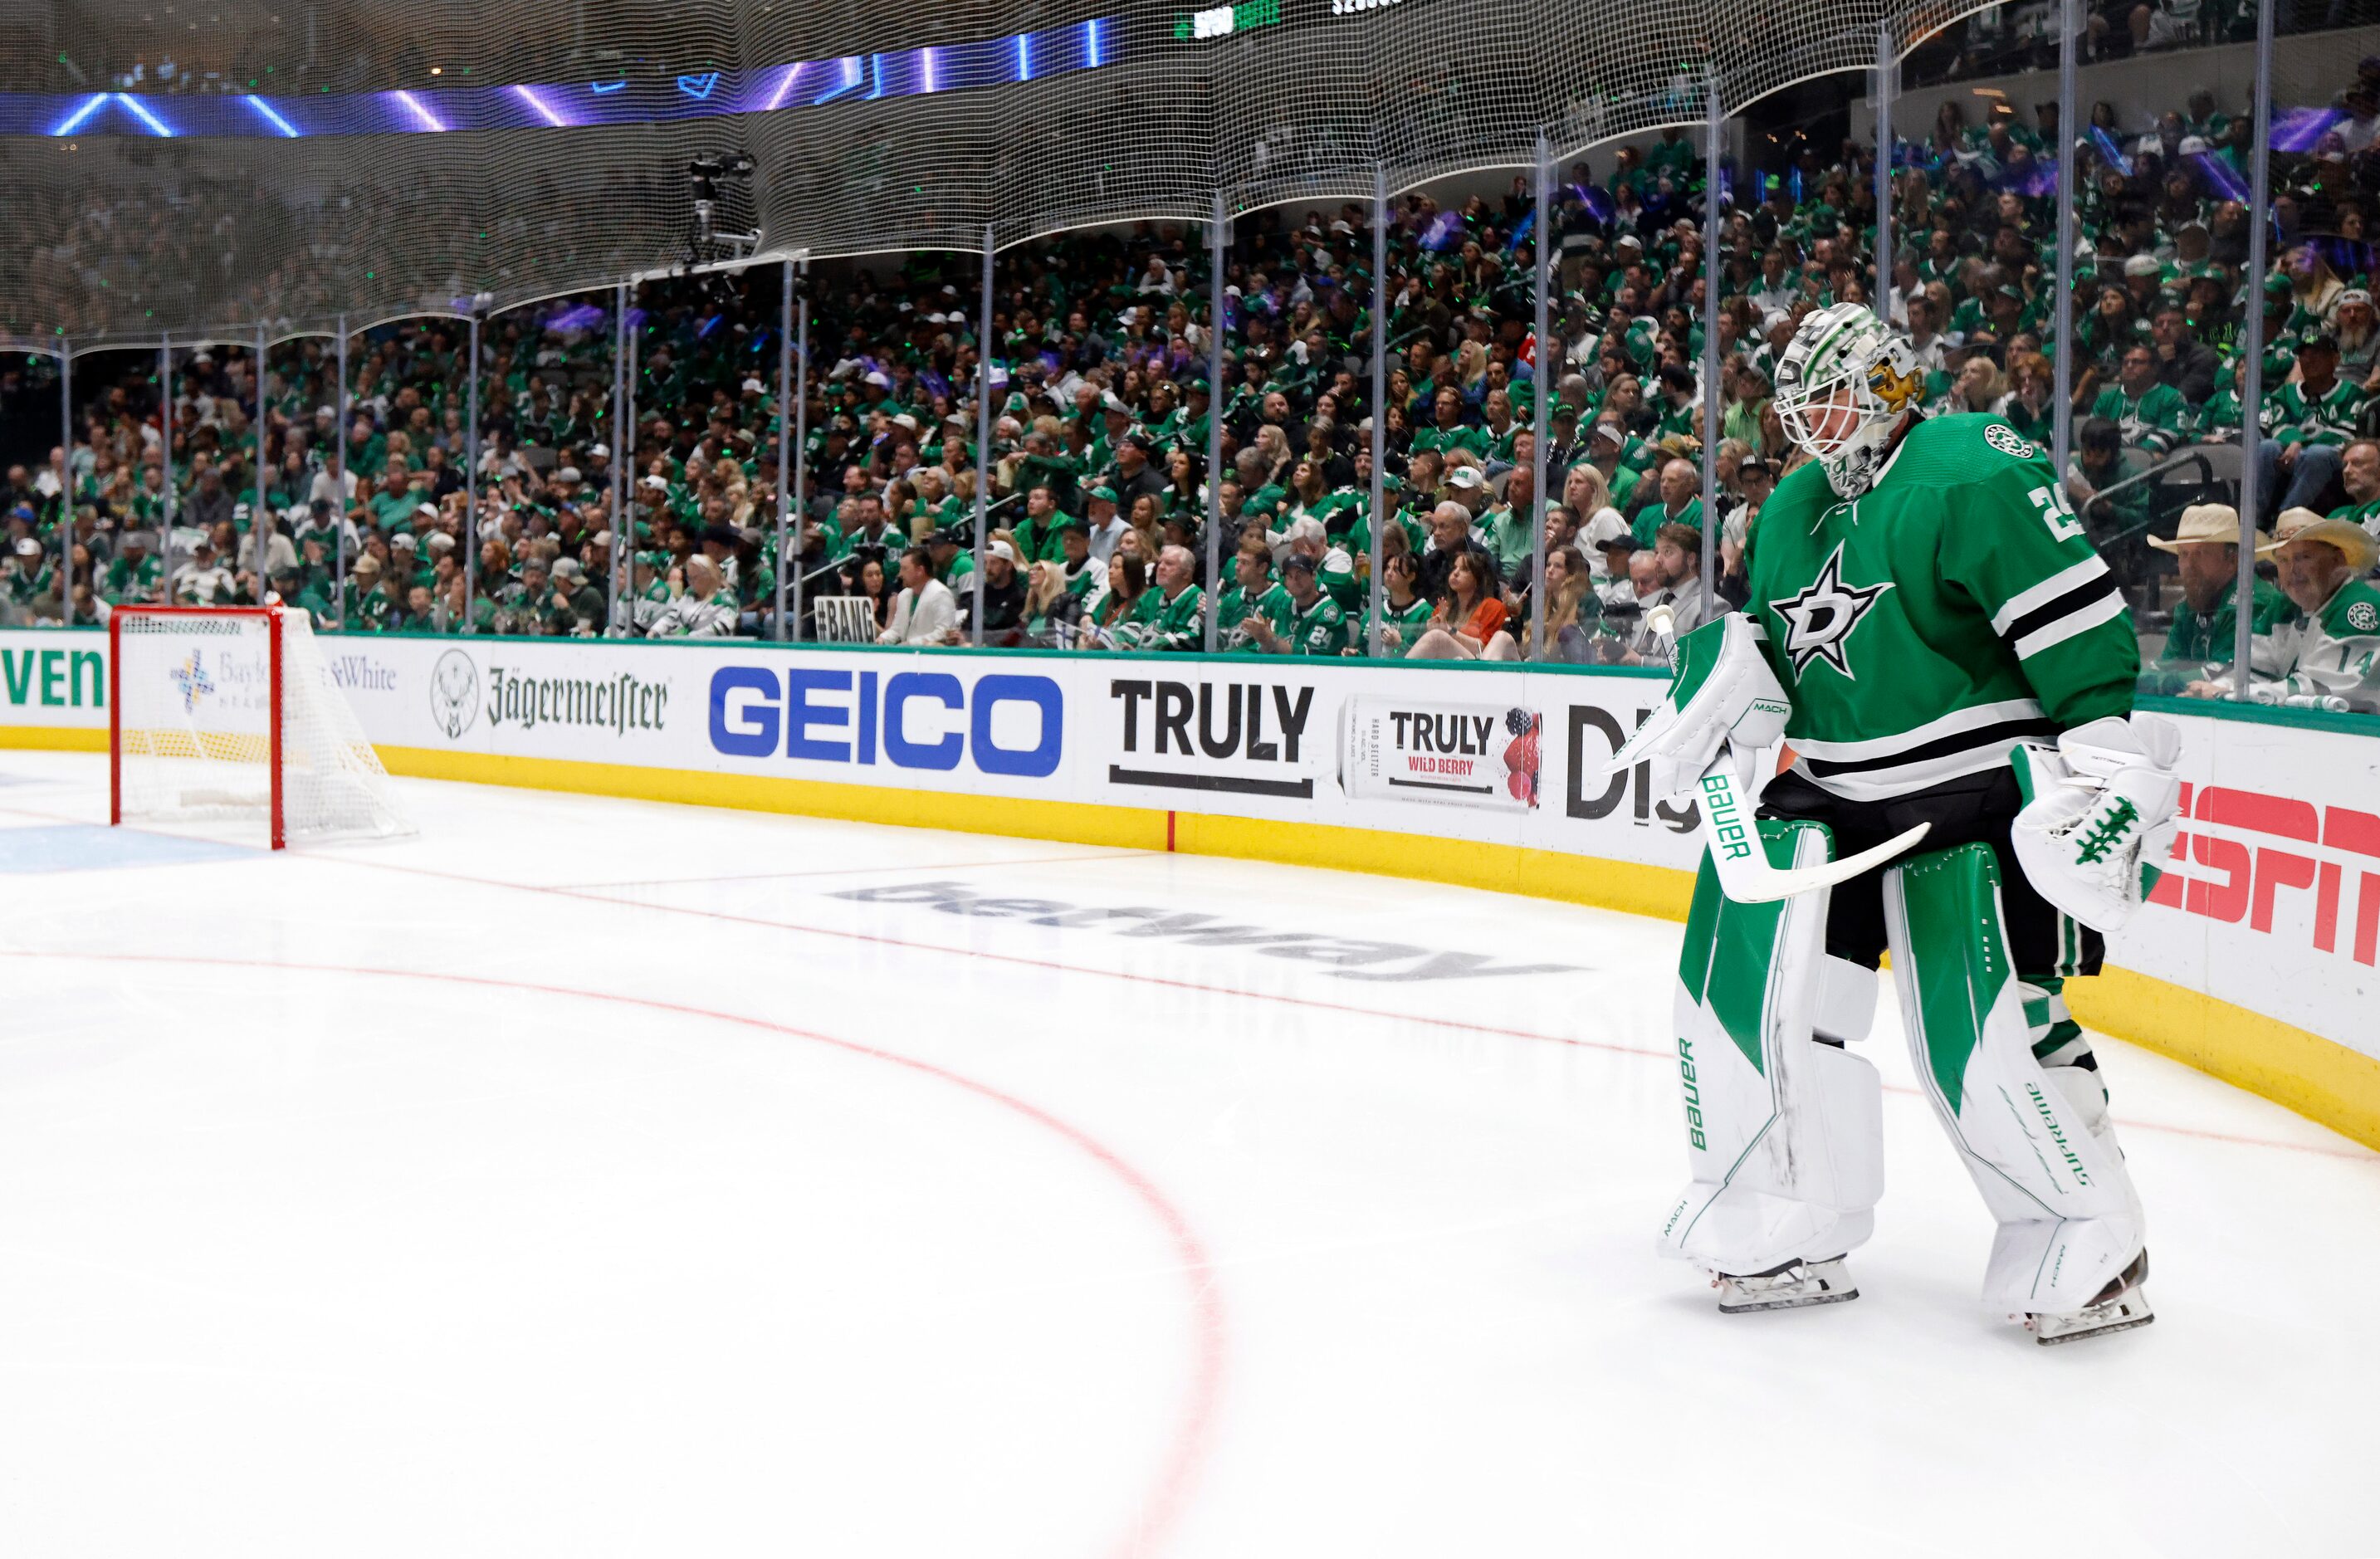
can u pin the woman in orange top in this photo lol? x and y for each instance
(1469, 622)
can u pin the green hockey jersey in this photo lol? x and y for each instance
(1272, 604)
(2200, 645)
(1410, 624)
(1177, 624)
(2293, 416)
(2155, 421)
(1318, 628)
(1925, 627)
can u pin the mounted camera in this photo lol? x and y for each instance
(712, 178)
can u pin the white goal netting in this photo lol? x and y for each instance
(193, 724)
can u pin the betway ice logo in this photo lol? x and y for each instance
(1346, 957)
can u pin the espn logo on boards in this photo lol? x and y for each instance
(2252, 846)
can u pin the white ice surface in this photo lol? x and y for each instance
(589, 1178)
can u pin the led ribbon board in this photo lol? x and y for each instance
(1221, 21)
(631, 99)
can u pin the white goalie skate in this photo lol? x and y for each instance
(2120, 1307)
(1794, 1286)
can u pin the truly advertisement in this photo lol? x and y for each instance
(1383, 748)
(1213, 736)
(1470, 755)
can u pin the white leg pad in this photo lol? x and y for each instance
(1846, 999)
(1784, 1135)
(2037, 1144)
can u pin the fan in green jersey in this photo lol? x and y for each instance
(1948, 653)
(2152, 414)
(1254, 599)
(1316, 625)
(2306, 422)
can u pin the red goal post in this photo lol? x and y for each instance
(231, 712)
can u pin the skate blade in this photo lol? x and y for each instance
(1800, 1302)
(2143, 1317)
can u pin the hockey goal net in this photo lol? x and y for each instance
(231, 712)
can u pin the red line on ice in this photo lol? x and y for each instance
(1161, 1510)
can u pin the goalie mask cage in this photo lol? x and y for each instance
(231, 713)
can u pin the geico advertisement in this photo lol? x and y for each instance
(2271, 896)
(935, 716)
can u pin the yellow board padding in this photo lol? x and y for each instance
(2317, 1078)
(1130, 828)
(55, 738)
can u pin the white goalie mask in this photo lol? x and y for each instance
(1843, 387)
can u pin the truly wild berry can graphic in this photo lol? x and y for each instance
(1421, 749)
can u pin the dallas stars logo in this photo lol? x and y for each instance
(1819, 620)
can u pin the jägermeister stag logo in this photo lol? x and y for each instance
(1819, 620)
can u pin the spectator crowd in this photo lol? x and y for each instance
(1096, 486)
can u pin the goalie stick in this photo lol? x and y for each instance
(1744, 871)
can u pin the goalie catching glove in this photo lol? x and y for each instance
(2098, 809)
(1723, 691)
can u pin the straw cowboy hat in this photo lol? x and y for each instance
(2355, 544)
(2204, 523)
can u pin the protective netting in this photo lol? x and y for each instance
(288, 164)
(2318, 189)
(194, 728)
